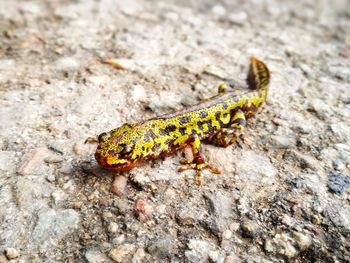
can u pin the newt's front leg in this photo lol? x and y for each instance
(91, 140)
(198, 163)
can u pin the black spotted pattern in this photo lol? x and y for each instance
(185, 119)
(203, 114)
(170, 128)
(182, 130)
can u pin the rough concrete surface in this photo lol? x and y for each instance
(284, 197)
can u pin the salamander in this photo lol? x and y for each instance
(219, 120)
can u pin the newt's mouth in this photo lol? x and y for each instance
(120, 165)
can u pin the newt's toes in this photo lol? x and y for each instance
(91, 140)
(198, 167)
(184, 161)
(183, 168)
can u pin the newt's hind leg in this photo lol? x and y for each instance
(222, 88)
(228, 136)
(198, 163)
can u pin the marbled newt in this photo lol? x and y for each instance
(220, 120)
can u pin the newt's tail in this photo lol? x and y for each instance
(258, 75)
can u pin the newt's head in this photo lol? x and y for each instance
(115, 150)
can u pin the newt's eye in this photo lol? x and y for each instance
(126, 149)
(101, 137)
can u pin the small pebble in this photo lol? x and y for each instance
(6, 63)
(172, 16)
(119, 185)
(69, 186)
(3, 259)
(340, 131)
(66, 168)
(117, 64)
(169, 195)
(55, 147)
(199, 250)
(53, 159)
(138, 94)
(281, 244)
(143, 210)
(338, 165)
(234, 226)
(337, 182)
(82, 149)
(249, 228)
(140, 179)
(238, 18)
(227, 234)
(113, 227)
(297, 182)
(139, 256)
(50, 177)
(282, 141)
(11, 253)
(303, 241)
(120, 253)
(95, 256)
(220, 205)
(67, 64)
(122, 205)
(161, 209)
(120, 239)
(107, 215)
(315, 219)
(31, 161)
(321, 108)
(58, 196)
(306, 69)
(232, 258)
(161, 247)
(287, 220)
(218, 10)
(214, 256)
(31, 8)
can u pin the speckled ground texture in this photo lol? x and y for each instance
(284, 197)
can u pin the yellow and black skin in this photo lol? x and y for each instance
(220, 120)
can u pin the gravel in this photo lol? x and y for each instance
(199, 250)
(249, 228)
(74, 69)
(337, 182)
(122, 253)
(95, 256)
(52, 226)
(11, 253)
(161, 247)
(119, 185)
